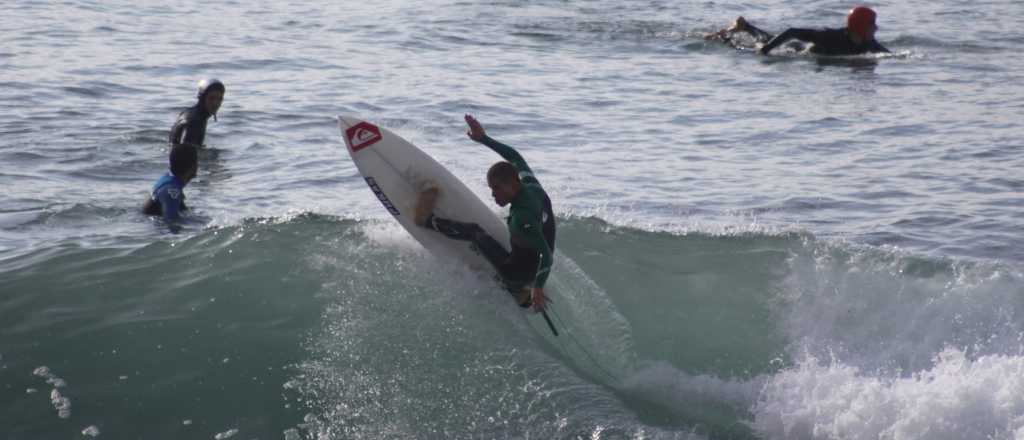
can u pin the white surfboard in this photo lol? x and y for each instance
(396, 171)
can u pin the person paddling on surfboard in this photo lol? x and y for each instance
(531, 223)
(190, 127)
(168, 196)
(858, 37)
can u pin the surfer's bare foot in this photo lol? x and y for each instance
(425, 205)
(739, 25)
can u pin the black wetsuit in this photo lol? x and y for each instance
(826, 42)
(823, 41)
(190, 128)
(531, 226)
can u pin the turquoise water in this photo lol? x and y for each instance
(749, 247)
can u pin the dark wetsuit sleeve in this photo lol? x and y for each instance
(760, 35)
(508, 153)
(178, 129)
(531, 229)
(806, 35)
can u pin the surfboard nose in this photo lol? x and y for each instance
(346, 121)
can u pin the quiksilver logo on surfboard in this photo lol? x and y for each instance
(362, 135)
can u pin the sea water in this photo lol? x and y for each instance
(749, 247)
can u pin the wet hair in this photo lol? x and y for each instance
(182, 159)
(502, 172)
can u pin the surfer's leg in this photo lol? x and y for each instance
(509, 274)
(517, 277)
(453, 229)
(758, 34)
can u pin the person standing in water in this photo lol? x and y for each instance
(190, 127)
(858, 37)
(531, 223)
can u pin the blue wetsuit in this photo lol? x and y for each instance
(167, 198)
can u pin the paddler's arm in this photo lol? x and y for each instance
(476, 132)
(806, 35)
(877, 47)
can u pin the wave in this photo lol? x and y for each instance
(705, 334)
(685, 334)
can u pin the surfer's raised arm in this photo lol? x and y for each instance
(476, 132)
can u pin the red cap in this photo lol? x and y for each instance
(860, 20)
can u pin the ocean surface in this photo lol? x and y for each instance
(750, 247)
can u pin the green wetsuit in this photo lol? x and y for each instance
(531, 222)
(531, 227)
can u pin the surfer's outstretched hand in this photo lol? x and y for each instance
(538, 299)
(476, 131)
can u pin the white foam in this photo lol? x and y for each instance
(882, 308)
(959, 398)
(226, 434)
(91, 431)
(61, 404)
(663, 383)
(684, 223)
(392, 235)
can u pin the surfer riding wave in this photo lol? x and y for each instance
(531, 223)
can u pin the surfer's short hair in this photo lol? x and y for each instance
(503, 172)
(182, 159)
